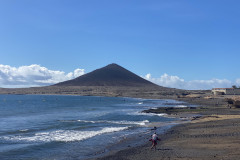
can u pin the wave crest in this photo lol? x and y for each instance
(64, 135)
(141, 123)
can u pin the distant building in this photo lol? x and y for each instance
(226, 91)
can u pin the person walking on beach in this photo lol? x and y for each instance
(154, 141)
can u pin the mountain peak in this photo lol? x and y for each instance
(113, 65)
(110, 75)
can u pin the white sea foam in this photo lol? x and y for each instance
(154, 108)
(141, 123)
(89, 121)
(181, 106)
(23, 130)
(149, 114)
(63, 135)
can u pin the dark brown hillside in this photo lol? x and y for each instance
(111, 75)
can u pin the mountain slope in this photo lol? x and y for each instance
(110, 75)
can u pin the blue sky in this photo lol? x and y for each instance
(179, 39)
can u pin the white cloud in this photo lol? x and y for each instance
(166, 80)
(176, 82)
(33, 75)
(238, 82)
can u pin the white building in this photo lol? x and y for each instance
(227, 91)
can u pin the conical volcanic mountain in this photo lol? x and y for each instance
(111, 80)
(110, 75)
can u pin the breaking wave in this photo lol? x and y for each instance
(63, 135)
(149, 114)
(141, 123)
(181, 106)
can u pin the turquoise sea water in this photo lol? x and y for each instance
(70, 127)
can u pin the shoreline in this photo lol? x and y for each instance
(141, 138)
(183, 141)
(213, 135)
(130, 143)
(162, 128)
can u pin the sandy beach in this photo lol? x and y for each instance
(213, 135)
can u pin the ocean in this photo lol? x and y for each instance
(44, 127)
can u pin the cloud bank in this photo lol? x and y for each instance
(176, 82)
(33, 75)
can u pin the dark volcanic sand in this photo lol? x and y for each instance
(216, 135)
(205, 140)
